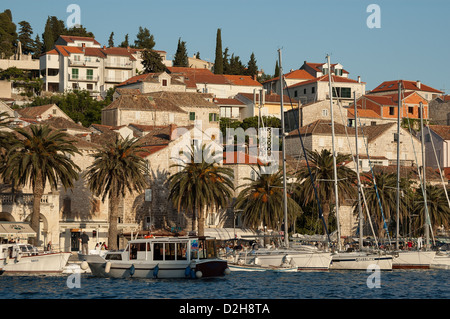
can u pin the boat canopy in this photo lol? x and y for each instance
(15, 229)
(229, 233)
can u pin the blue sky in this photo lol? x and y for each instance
(411, 44)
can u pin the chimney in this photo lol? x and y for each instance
(104, 47)
(172, 129)
(418, 84)
(359, 79)
(83, 46)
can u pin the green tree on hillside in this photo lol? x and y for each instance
(144, 40)
(218, 62)
(181, 56)
(8, 35)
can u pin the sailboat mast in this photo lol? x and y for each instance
(361, 243)
(334, 156)
(427, 223)
(283, 151)
(398, 164)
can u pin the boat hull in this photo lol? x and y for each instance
(441, 261)
(302, 260)
(360, 261)
(261, 269)
(413, 259)
(51, 263)
(145, 269)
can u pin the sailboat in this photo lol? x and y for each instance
(303, 259)
(355, 260)
(418, 259)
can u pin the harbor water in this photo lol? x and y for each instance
(397, 284)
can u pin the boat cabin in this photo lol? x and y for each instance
(167, 249)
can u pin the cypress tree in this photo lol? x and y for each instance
(181, 57)
(218, 63)
(252, 68)
(277, 70)
(48, 36)
(111, 40)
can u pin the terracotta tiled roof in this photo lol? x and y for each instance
(243, 80)
(324, 78)
(296, 74)
(407, 85)
(33, 111)
(323, 127)
(71, 39)
(228, 102)
(442, 130)
(144, 102)
(184, 99)
(146, 77)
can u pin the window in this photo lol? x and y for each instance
(325, 71)
(181, 251)
(342, 92)
(89, 74)
(324, 112)
(164, 82)
(410, 109)
(169, 251)
(74, 73)
(90, 86)
(76, 58)
(338, 72)
(391, 110)
(304, 91)
(191, 116)
(158, 252)
(54, 111)
(313, 90)
(395, 137)
(213, 117)
(295, 93)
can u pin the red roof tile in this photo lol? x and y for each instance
(407, 85)
(324, 78)
(296, 74)
(71, 39)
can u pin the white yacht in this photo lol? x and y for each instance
(413, 259)
(360, 260)
(24, 259)
(160, 257)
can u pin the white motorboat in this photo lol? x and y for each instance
(24, 259)
(360, 261)
(160, 257)
(302, 259)
(441, 260)
(413, 259)
(250, 267)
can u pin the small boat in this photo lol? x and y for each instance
(413, 259)
(24, 259)
(250, 267)
(441, 260)
(360, 261)
(160, 257)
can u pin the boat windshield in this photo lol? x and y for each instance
(203, 249)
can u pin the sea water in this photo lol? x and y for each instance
(245, 287)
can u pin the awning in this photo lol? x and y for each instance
(15, 229)
(229, 233)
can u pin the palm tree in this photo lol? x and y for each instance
(438, 208)
(200, 186)
(117, 168)
(262, 201)
(37, 156)
(382, 200)
(322, 171)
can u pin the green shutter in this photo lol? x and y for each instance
(192, 116)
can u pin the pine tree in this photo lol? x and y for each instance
(152, 61)
(144, 40)
(226, 62)
(111, 40)
(197, 55)
(252, 68)
(25, 37)
(181, 57)
(37, 47)
(218, 63)
(8, 35)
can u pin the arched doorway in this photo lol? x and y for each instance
(42, 234)
(6, 217)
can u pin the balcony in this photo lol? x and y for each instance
(26, 199)
(83, 78)
(113, 79)
(91, 64)
(127, 65)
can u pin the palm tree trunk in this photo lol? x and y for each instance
(201, 221)
(325, 213)
(38, 192)
(113, 216)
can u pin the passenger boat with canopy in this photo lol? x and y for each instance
(160, 257)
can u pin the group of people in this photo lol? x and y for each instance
(85, 247)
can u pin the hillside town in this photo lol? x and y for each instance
(154, 107)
